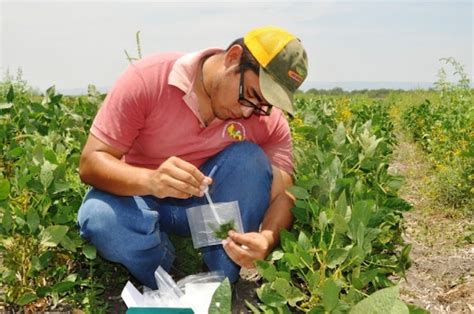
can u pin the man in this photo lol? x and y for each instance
(167, 121)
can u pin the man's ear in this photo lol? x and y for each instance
(232, 56)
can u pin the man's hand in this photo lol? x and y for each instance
(245, 248)
(178, 178)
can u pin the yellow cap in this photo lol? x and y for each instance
(283, 64)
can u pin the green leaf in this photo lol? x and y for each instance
(221, 299)
(398, 204)
(10, 94)
(15, 152)
(395, 183)
(340, 134)
(43, 291)
(416, 310)
(340, 224)
(63, 286)
(68, 244)
(45, 258)
(300, 214)
(336, 257)
(252, 307)
(267, 270)
(51, 236)
(7, 219)
(323, 220)
(46, 174)
(381, 301)
(330, 295)
(299, 192)
(303, 242)
(276, 255)
(32, 219)
(89, 251)
(5, 105)
(341, 204)
(268, 296)
(50, 156)
(286, 290)
(292, 259)
(26, 298)
(287, 240)
(60, 186)
(4, 189)
(35, 263)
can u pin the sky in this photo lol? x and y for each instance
(71, 44)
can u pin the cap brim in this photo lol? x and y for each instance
(276, 94)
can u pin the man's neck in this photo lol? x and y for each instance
(202, 85)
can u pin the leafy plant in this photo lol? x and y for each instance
(346, 241)
(445, 128)
(40, 192)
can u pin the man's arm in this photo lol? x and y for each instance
(278, 215)
(101, 167)
(246, 248)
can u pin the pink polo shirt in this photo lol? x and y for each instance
(151, 113)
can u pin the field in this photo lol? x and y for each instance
(383, 217)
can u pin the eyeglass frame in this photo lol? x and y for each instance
(248, 103)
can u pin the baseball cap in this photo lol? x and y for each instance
(283, 64)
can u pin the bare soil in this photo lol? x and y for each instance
(441, 279)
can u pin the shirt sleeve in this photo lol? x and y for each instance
(123, 111)
(278, 147)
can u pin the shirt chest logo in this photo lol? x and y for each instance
(234, 131)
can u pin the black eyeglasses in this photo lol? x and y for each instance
(263, 110)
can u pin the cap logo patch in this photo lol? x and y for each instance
(295, 76)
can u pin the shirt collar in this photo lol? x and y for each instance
(184, 70)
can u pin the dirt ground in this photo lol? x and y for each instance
(441, 279)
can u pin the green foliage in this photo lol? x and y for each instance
(222, 231)
(445, 129)
(40, 142)
(221, 301)
(346, 241)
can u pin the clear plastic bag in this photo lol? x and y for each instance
(213, 276)
(193, 291)
(205, 223)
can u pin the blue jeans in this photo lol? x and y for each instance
(133, 230)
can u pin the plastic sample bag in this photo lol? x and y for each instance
(208, 223)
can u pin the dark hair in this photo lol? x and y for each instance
(247, 60)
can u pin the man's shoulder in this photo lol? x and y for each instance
(158, 59)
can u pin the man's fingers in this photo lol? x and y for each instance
(246, 239)
(181, 186)
(172, 192)
(238, 254)
(196, 176)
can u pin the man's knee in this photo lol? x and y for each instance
(249, 156)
